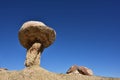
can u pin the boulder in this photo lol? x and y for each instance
(80, 69)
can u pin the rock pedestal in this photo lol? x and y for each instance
(35, 36)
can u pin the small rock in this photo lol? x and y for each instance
(85, 71)
(80, 69)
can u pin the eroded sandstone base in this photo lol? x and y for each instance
(38, 73)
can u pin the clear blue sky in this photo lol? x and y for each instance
(88, 34)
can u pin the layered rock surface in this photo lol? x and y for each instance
(38, 73)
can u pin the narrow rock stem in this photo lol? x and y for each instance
(33, 55)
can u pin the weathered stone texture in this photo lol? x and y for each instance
(34, 31)
(33, 55)
(37, 73)
(80, 70)
(35, 36)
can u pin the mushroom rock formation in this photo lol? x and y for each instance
(80, 69)
(35, 36)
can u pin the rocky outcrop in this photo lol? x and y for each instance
(38, 73)
(80, 70)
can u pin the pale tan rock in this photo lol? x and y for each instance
(35, 36)
(73, 69)
(85, 71)
(33, 55)
(80, 69)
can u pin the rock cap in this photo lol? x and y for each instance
(36, 31)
